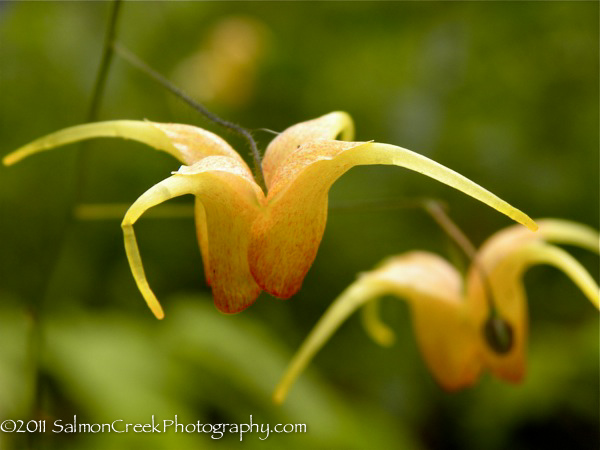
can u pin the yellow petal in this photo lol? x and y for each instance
(186, 143)
(507, 277)
(230, 199)
(163, 191)
(572, 233)
(557, 257)
(286, 237)
(506, 241)
(328, 126)
(512, 243)
(375, 328)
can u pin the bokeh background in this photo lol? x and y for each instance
(504, 93)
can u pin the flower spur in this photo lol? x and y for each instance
(250, 241)
(461, 328)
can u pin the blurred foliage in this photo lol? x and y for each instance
(504, 93)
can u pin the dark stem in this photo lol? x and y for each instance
(438, 213)
(435, 210)
(497, 332)
(107, 55)
(241, 131)
(36, 308)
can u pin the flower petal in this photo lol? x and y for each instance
(231, 200)
(285, 239)
(567, 232)
(509, 301)
(433, 289)
(557, 257)
(505, 257)
(163, 191)
(443, 327)
(324, 127)
(506, 241)
(186, 143)
(375, 328)
(194, 144)
(202, 236)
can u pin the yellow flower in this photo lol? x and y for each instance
(251, 241)
(461, 329)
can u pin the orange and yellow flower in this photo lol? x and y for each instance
(461, 327)
(251, 240)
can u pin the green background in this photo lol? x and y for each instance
(504, 93)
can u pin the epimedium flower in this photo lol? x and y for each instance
(251, 240)
(462, 326)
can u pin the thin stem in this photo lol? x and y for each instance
(496, 330)
(436, 211)
(131, 58)
(97, 95)
(36, 308)
(107, 55)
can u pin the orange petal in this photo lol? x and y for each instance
(328, 126)
(433, 289)
(286, 237)
(231, 200)
(443, 326)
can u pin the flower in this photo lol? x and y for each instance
(461, 327)
(248, 240)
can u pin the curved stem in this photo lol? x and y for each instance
(131, 58)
